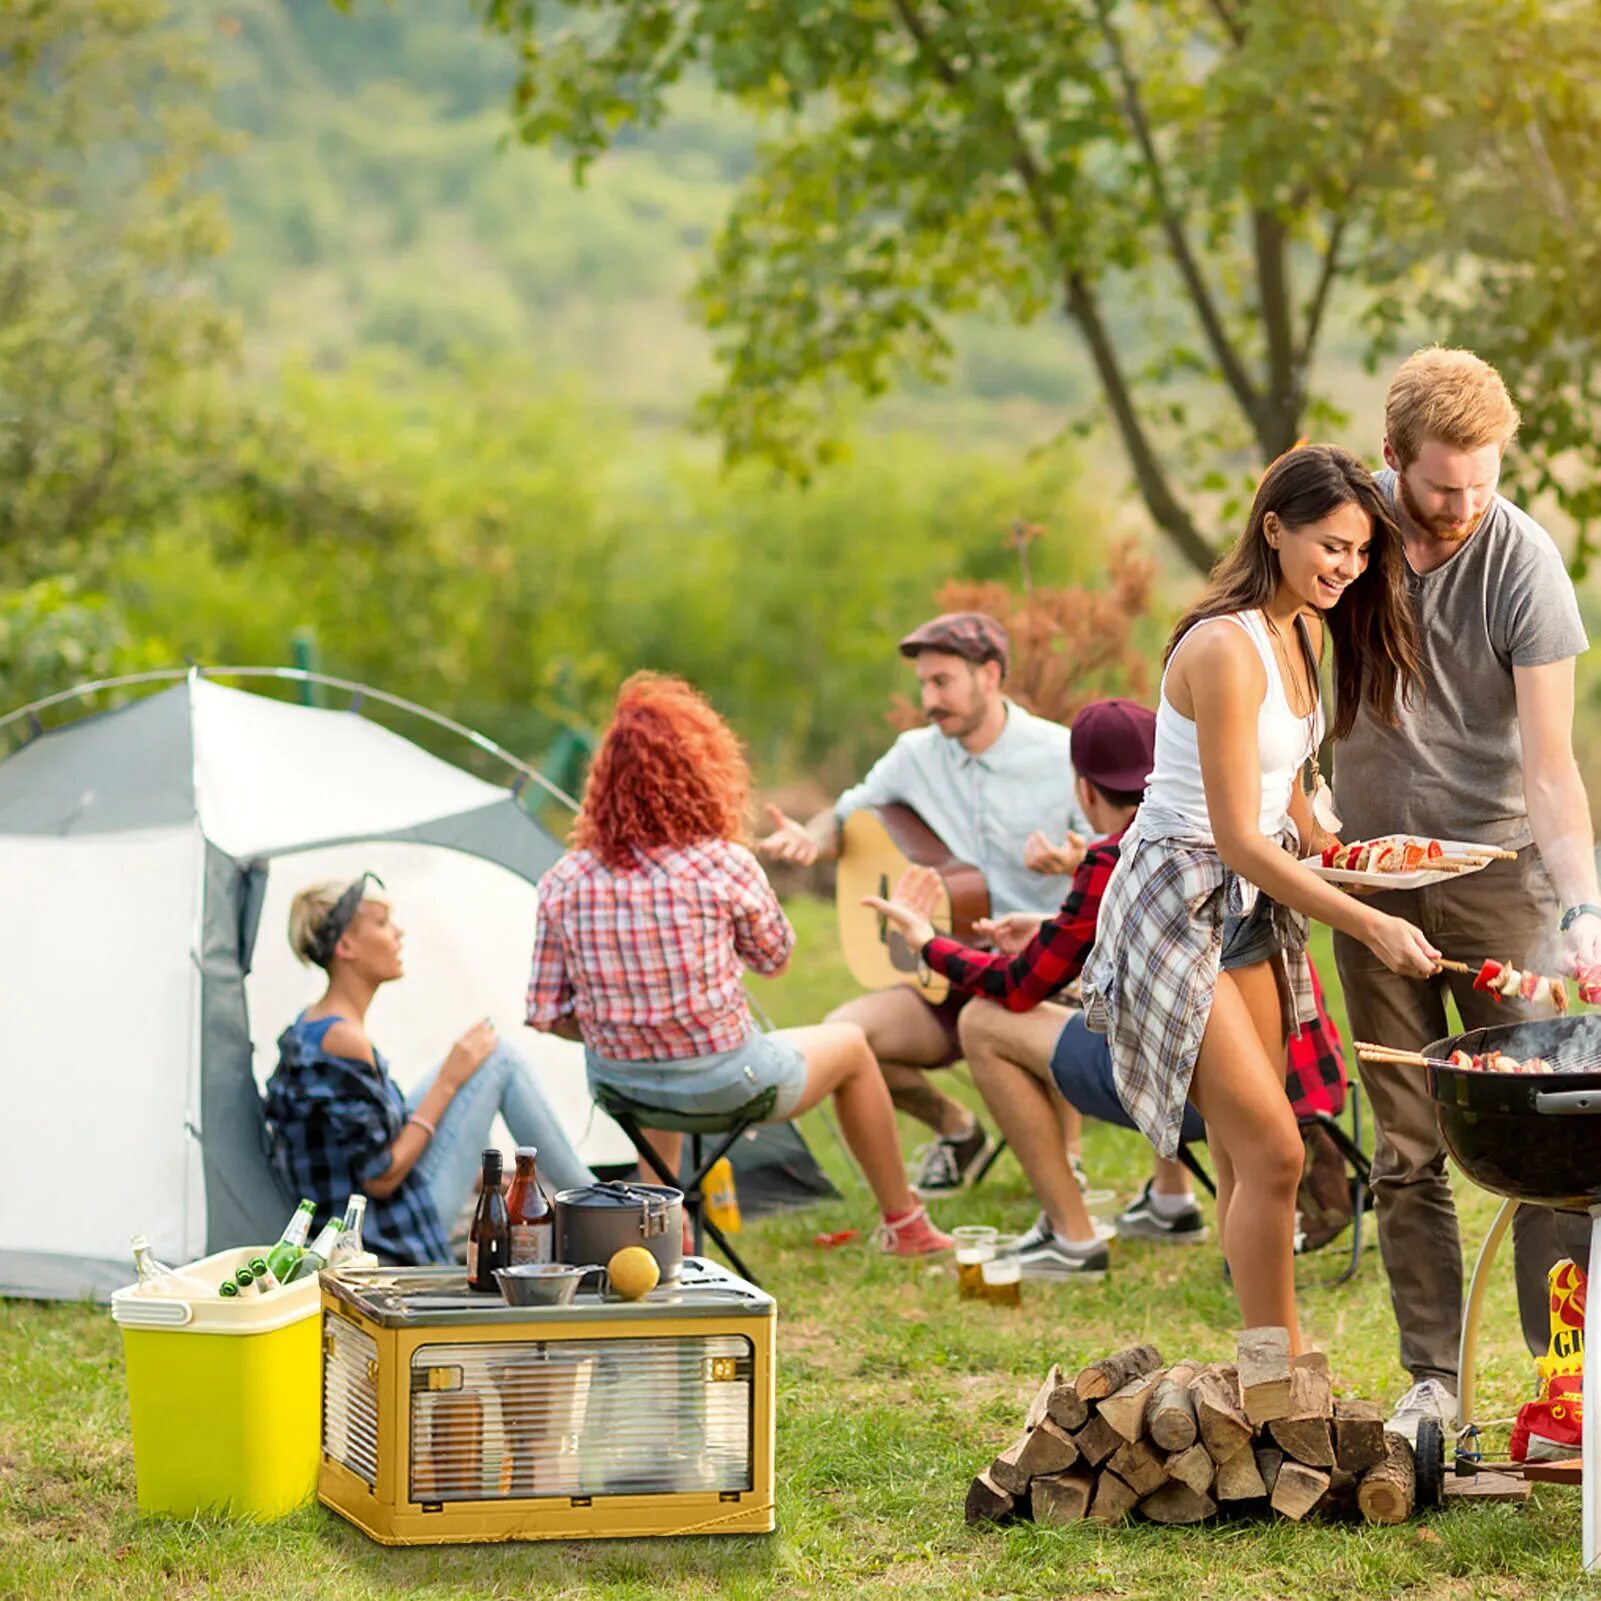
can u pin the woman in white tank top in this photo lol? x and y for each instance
(1202, 935)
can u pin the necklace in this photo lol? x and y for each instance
(1322, 799)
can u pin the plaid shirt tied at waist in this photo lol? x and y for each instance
(1151, 977)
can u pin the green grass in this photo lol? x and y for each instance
(891, 1394)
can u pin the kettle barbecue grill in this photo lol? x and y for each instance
(1534, 1140)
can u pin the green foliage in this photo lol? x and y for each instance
(1225, 170)
(107, 333)
(511, 552)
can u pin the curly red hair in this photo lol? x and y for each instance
(669, 771)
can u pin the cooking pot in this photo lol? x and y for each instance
(596, 1220)
(1535, 1137)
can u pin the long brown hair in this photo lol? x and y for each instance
(1376, 656)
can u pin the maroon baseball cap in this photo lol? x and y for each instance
(1114, 743)
(973, 635)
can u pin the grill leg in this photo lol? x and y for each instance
(1592, 1422)
(1465, 1405)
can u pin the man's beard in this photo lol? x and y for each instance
(1436, 527)
(959, 727)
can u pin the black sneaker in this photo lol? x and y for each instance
(1141, 1221)
(948, 1165)
(1050, 1259)
(1040, 1230)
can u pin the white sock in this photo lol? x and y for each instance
(1172, 1205)
(1077, 1247)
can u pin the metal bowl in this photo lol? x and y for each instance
(1534, 1138)
(541, 1283)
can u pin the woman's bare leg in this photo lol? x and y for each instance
(669, 1147)
(1238, 1088)
(839, 1062)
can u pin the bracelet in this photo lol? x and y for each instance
(422, 1122)
(1574, 913)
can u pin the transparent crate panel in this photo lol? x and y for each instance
(350, 1397)
(581, 1418)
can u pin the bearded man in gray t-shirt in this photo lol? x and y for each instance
(1486, 755)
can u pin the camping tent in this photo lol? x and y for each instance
(143, 850)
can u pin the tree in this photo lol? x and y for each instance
(108, 331)
(1189, 182)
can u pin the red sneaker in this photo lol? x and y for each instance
(910, 1234)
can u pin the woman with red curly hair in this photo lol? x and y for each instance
(646, 927)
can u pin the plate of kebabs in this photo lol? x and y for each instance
(1402, 861)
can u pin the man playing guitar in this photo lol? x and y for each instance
(996, 784)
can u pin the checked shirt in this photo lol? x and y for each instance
(650, 959)
(1051, 959)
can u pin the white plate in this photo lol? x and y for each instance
(1417, 879)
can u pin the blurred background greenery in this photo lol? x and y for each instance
(297, 338)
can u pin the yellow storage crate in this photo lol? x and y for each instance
(450, 1416)
(225, 1394)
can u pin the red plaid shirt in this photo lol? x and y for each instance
(1054, 957)
(649, 960)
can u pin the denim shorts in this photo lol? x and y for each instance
(1252, 938)
(1081, 1065)
(721, 1082)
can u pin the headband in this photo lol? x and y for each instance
(339, 919)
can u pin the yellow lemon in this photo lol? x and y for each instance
(634, 1272)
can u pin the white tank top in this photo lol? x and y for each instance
(1283, 743)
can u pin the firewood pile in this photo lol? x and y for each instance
(1182, 1443)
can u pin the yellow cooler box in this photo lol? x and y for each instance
(224, 1393)
(450, 1416)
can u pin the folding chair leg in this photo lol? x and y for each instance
(735, 1261)
(989, 1162)
(1197, 1172)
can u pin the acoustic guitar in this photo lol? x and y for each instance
(879, 843)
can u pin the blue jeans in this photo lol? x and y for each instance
(505, 1083)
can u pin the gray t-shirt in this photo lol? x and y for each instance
(1453, 769)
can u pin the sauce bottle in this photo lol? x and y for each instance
(531, 1219)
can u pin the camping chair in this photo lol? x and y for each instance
(634, 1117)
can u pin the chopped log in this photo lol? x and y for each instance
(1240, 1479)
(1040, 1407)
(1339, 1500)
(1306, 1431)
(1194, 1467)
(1298, 1490)
(1007, 1470)
(1318, 1361)
(1269, 1459)
(1387, 1492)
(1062, 1497)
(1263, 1364)
(1358, 1435)
(1139, 1466)
(1486, 1485)
(1047, 1449)
(987, 1502)
(1097, 1440)
(1171, 1414)
(1113, 1372)
(1125, 1408)
(1225, 1429)
(1113, 1500)
(1067, 1409)
(1177, 1503)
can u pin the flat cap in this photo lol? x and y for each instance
(973, 635)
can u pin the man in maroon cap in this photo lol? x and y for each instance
(1033, 1059)
(995, 783)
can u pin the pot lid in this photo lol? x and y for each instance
(617, 1195)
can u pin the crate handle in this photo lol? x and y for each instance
(151, 1312)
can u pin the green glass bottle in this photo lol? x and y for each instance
(315, 1257)
(262, 1274)
(292, 1241)
(245, 1279)
(227, 1287)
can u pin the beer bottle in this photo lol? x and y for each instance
(489, 1238)
(227, 1287)
(262, 1274)
(315, 1257)
(349, 1244)
(244, 1278)
(528, 1213)
(292, 1241)
(156, 1278)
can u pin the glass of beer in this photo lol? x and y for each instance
(1001, 1273)
(975, 1245)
